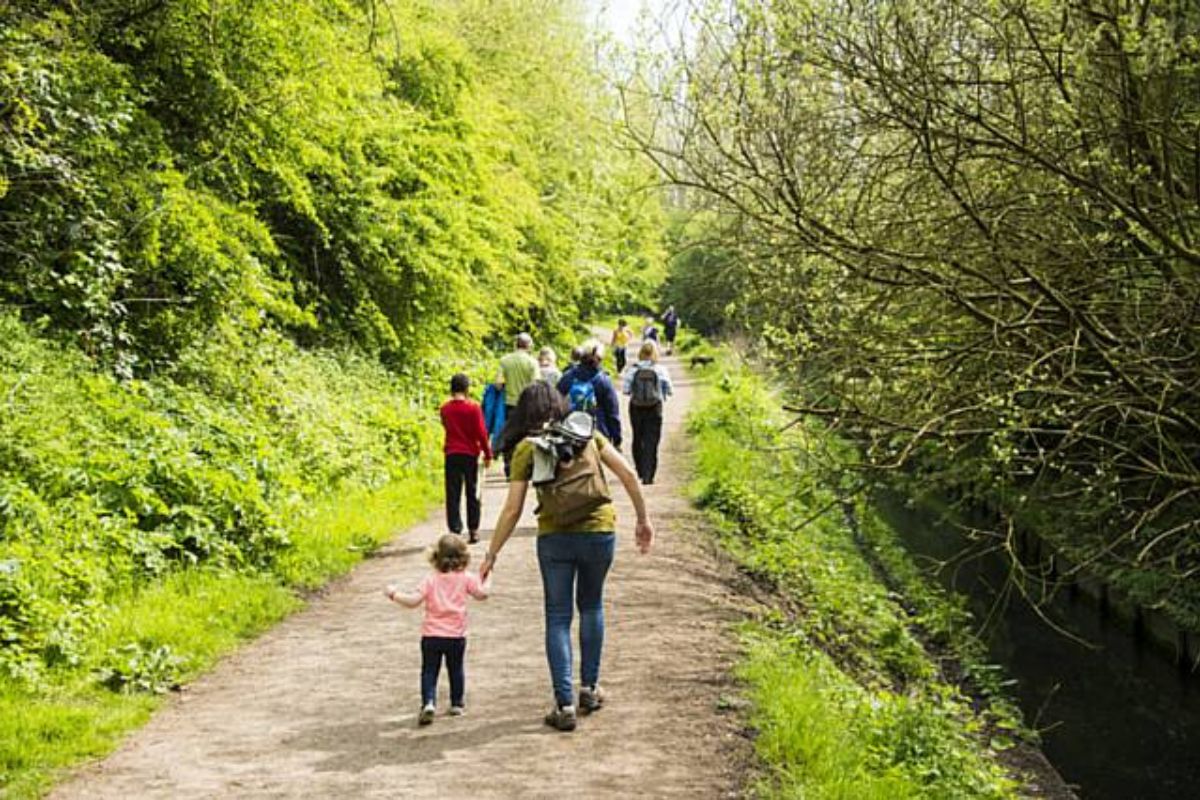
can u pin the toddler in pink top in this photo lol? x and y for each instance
(444, 630)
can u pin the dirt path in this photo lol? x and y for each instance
(324, 705)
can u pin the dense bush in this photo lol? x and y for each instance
(105, 485)
(411, 182)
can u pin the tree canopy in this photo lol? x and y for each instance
(400, 177)
(969, 231)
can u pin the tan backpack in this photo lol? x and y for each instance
(578, 489)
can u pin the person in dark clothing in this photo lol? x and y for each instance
(466, 439)
(588, 387)
(648, 386)
(649, 331)
(670, 328)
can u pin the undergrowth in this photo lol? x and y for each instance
(857, 679)
(148, 527)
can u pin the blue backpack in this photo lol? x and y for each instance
(582, 395)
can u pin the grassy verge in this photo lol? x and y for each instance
(169, 632)
(856, 681)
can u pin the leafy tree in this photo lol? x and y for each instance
(704, 276)
(969, 229)
(400, 180)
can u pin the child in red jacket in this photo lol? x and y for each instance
(466, 439)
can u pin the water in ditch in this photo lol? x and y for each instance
(1120, 720)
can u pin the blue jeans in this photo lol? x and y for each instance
(574, 566)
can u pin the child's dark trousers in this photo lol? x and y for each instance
(433, 650)
(462, 472)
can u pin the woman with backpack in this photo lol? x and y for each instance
(648, 385)
(566, 462)
(587, 387)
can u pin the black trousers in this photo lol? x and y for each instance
(647, 431)
(433, 650)
(619, 359)
(462, 472)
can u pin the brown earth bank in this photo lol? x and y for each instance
(325, 704)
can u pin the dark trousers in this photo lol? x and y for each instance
(647, 431)
(433, 650)
(619, 358)
(462, 471)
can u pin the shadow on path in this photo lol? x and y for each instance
(391, 741)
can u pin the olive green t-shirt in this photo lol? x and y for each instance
(519, 369)
(602, 520)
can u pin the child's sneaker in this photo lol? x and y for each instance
(457, 711)
(591, 698)
(426, 715)
(562, 718)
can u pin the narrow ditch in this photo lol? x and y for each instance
(1119, 716)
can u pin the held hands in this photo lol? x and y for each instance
(485, 569)
(644, 535)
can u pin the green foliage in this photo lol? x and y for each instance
(107, 485)
(965, 231)
(704, 275)
(848, 700)
(138, 668)
(288, 164)
(104, 238)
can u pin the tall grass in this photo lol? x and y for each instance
(806, 731)
(847, 701)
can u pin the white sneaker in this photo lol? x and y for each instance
(426, 715)
(457, 711)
